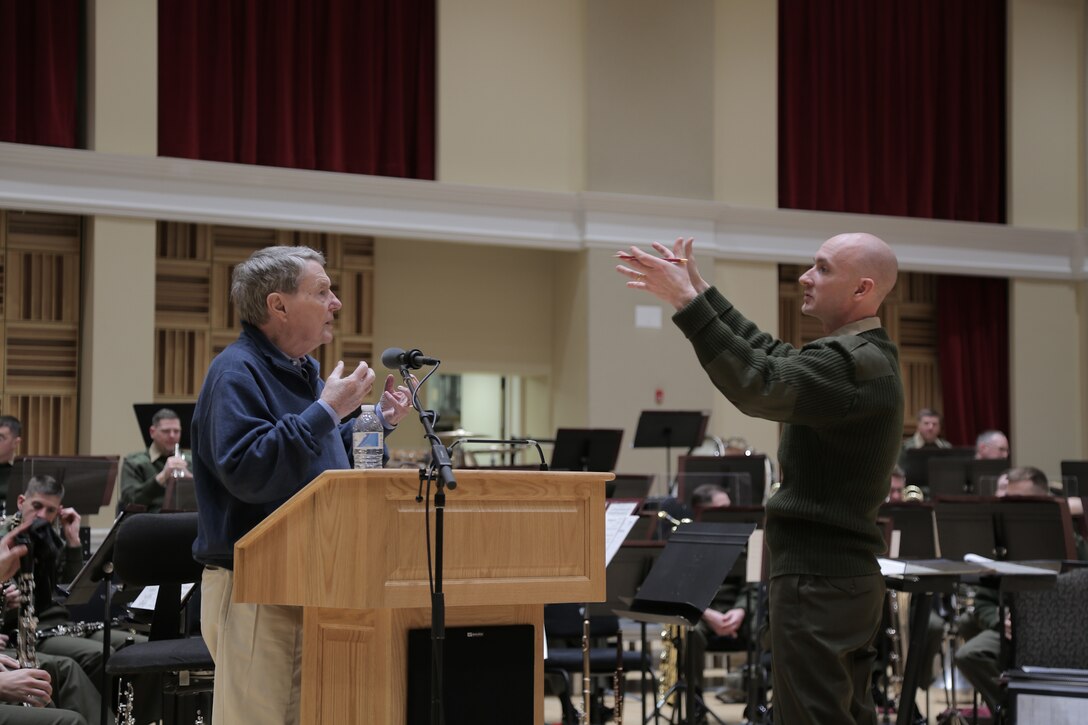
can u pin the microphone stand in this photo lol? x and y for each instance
(440, 464)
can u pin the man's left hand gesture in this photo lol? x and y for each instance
(396, 401)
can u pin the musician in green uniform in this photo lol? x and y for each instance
(840, 399)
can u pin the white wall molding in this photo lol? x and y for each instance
(85, 182)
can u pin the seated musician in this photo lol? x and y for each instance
(25, 692)
(978, 658)
(58, 559)
(146, 474)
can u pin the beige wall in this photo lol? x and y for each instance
(1048, 320)
(122, 97)
(746, 103)
(1047, 374)
(118, 335)
(1046, 113)
(649, 69)
(116, 369)
(511, 93)
(480, 309)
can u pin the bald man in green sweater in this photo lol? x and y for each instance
(841, 400)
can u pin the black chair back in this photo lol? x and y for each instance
(157, 549)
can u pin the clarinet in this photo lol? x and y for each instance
(124, 707)
(26, 636)
(618, 680)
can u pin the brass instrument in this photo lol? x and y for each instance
(913, 493)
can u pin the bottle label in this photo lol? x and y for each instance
(367, 439)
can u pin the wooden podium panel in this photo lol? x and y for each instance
(355, 663)
(350, 549)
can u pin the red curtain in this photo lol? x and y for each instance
(973, 355)
(39, 71)
(894, 107)
(337, 85)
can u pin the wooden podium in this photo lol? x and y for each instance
(349, 548)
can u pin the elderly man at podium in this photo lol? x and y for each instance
(265, 425)
(841, 399)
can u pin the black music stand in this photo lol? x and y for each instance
(916, 462)
(629, 485)
(146, 411)
(586, 449)
(668, 430)
(917, 528)
(1077, 471)
(88, 480)
(683, 582)
(695, 470)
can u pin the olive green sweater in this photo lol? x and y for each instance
(841, 399)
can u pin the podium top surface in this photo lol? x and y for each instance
(356, 540)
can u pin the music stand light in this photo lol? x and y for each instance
(670, 429)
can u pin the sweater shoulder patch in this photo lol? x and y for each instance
(869, 361)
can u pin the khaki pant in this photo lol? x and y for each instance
(257, 649)
(822, 634)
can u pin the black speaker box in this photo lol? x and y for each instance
(488, 675)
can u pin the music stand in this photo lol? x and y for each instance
(684, 580)
(1078, 471)
(586, 449)
(695, 470)
(88, 480)
(916, 462)
(629, 485)
(965, 525)
(917, 528)
(146, 411)
(669, 429)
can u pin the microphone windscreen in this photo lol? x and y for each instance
(393, 358)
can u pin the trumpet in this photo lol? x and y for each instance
(177, 452)
(913, 493)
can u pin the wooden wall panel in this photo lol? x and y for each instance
(194, 316)
(909, 314)
(40, 292)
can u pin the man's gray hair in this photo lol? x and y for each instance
(268, 270)
(987, 436)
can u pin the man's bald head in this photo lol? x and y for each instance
(850, 278)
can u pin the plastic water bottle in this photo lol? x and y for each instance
(367, 439)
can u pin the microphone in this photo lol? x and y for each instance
(394, 358)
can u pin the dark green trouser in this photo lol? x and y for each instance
(822, 635)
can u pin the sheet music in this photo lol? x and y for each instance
(1007, 567)
(147, 597)
(619, 519)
